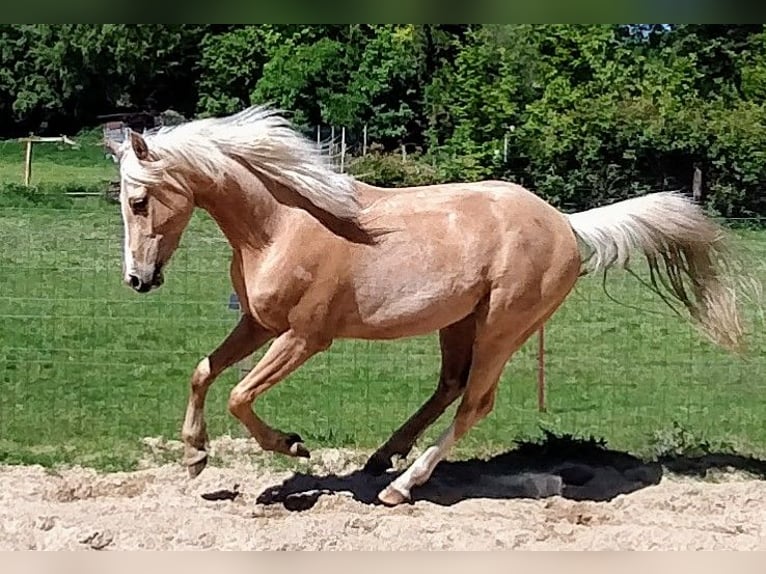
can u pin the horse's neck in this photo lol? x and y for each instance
(247, 214)
(251, 216)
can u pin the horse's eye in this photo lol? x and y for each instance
(139, 205)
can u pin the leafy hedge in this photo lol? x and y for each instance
(392, 170)
(586, 114)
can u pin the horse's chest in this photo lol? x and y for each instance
(272, 296)
(268, 307)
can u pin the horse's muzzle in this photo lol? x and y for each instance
(144, 285)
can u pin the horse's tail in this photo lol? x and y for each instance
(687, 253)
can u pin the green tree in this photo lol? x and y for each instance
(231, 63)
(66, 75)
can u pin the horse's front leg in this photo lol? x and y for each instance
(288, 352)
(244, 340)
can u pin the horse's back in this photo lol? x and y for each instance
(454, 197)
(450, 246)
(485, 209)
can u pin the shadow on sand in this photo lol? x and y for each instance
(574, 468)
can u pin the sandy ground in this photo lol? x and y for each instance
(466, 506)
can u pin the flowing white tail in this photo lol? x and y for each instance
(686, 252)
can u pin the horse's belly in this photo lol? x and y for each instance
(427, 276)
(396, 307)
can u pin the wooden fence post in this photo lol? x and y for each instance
(30, 141)
(28, 162)
(697, 185)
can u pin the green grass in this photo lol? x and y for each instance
(54, 163)
(88, 368)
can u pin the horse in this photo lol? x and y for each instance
(319, 255)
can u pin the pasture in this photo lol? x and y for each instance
(88, 368)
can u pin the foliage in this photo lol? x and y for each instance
(391, 170)
(585, 114)
(230, 64)
(60, 77)
(301, 79)
(18, 195)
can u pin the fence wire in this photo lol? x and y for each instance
(89, 368)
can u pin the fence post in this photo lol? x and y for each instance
(342, 148)
(697, 185)
(30, 141)
(332, 143)
(319, 136)
(364, 141)
(505, 148)
(28, 162)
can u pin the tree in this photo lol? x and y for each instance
(58, 77)
(231, 63)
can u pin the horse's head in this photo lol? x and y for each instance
(154, 213)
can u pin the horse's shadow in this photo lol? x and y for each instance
(577, 469)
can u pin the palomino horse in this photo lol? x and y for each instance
(319, 256)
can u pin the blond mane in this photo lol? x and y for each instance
(259, 139)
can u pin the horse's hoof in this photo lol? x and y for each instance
(196, 465)
(299, 449)
(392, 496)
(296, 447)
(377, 464)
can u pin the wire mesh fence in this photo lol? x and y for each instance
(343, 145)
(88, 368)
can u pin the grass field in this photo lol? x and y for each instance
(53, 164)
(88, 367)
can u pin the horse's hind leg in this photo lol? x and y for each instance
(493, 347)
(456, 342)
(489, 357)
(244, 340)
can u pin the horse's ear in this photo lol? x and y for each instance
(139, 146)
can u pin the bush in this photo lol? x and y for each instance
(391, 170)
(18, 195)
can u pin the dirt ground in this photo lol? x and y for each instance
(474, 505)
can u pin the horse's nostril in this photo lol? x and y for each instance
(135, 282)
(157, 277)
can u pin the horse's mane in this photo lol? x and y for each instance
(258, 138)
